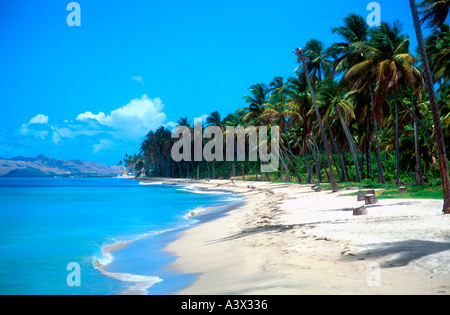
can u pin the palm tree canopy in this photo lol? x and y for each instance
(438, 51)
(434, 12)
(214, 119)
(387, 62)
(317, 60)
(355, 30)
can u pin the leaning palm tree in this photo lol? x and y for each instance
(388, 63)
(435, 110)
(301, 58)
(317, 61)
(338, 105)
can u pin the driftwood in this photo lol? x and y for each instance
(360, 210)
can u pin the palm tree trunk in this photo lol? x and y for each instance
(369, 151)
(308, 164)
(316, 162)
(419, 178)
(397, 147)
(435, 110)
(297, 173)
(320, 158)
(334, 185)
(283, 163)
(342, 174)
(380, 174)
(351, 143)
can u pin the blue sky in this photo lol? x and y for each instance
(93, 91)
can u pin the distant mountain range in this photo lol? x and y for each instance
(44, 166)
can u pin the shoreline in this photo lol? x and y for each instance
(142, 283)
(288, 239)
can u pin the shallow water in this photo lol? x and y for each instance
(114, 229)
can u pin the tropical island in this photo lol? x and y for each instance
(362, 116)
(358, 203)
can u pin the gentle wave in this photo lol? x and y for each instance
(195, 190)
(194, 212)
(142, 283)
(151, 183)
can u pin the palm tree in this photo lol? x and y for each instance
(256, 102)
(214, 119)
(301, 58)
(316, 61)
(278, 110)
(355, 30)
(435, 110)
(330, 95)
(184, 122)
(438, 51)
(434, 12)
(299, 124)
(388, 63)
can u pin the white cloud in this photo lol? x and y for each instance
(202, 117)
(138, 78)
(88, 115)
(94, 135)
(39, 119)
(37, 127)
(132, 120)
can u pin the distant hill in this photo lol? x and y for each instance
(44, 166)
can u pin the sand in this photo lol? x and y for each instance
(289, 239)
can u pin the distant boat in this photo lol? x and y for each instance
(127, 176)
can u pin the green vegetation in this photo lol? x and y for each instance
(358, 111)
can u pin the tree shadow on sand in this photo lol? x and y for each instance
(401, 253)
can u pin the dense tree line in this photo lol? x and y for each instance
(359, 110)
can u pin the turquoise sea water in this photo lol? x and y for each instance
(114, 229)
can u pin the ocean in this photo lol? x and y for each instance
(96, 236)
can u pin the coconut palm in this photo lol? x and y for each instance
(317, 60)
(256, 102)
(355, 30)
(388, 63)
(434, 108)
(339, 105)
(301, 58)
(438, 51)
(434, 12)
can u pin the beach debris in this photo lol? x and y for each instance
(402, 190)
(233, 183)
(361, 194)
(370, 199)
(360, 211)
(250, 186)
(316, 188)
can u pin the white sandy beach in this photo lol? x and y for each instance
(288, 239)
